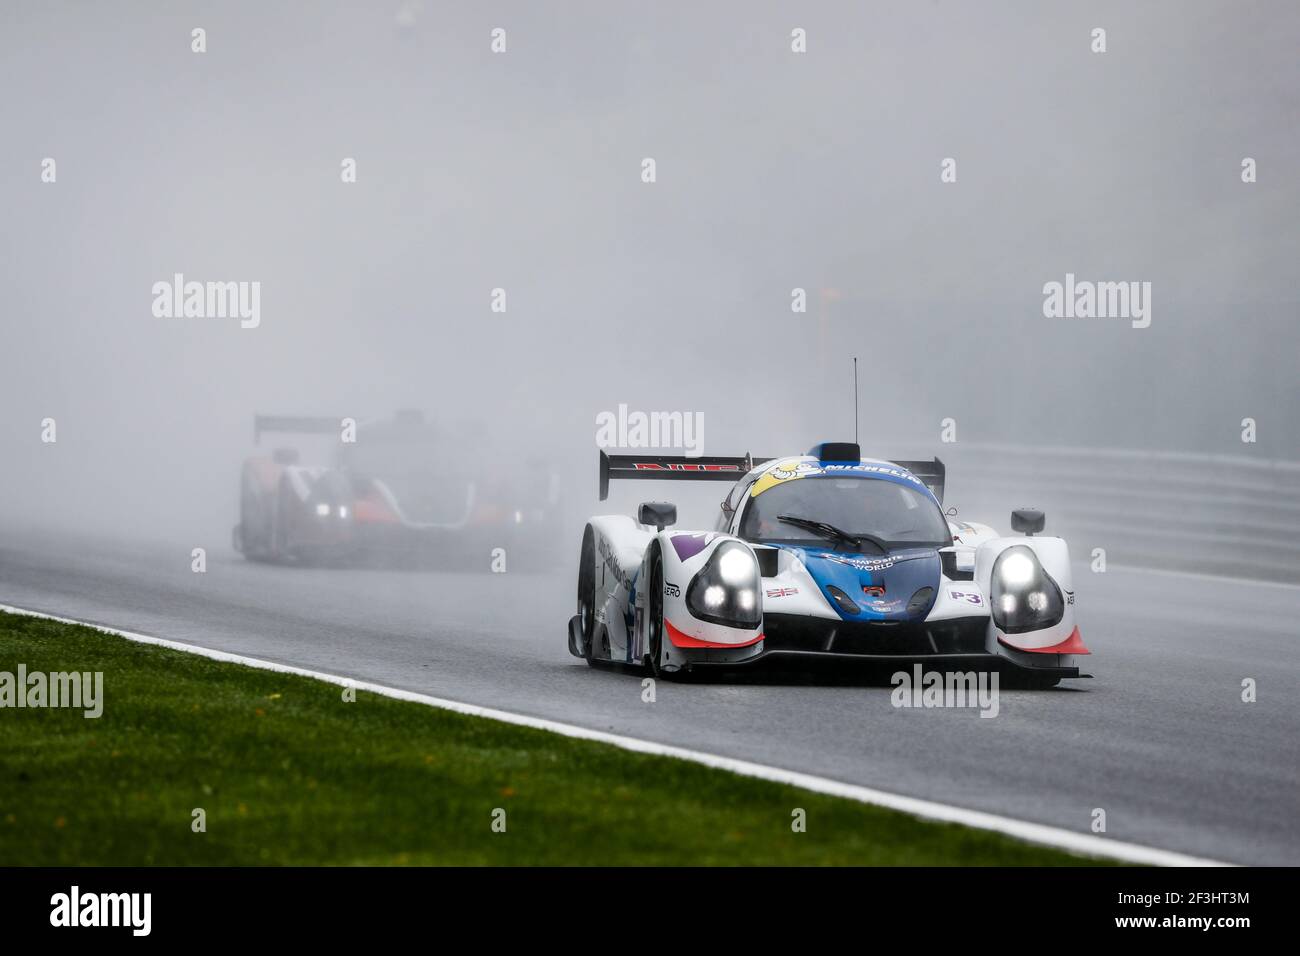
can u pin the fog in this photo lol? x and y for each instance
(522, 171)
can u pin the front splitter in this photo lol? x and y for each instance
(988, 662)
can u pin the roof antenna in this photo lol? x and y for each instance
(855, 400)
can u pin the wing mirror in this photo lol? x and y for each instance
(1027, 521)
(661, 514)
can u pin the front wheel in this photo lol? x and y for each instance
(587, 595)
(655, 617)
(279, 550)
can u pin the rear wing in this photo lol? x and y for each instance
(300, 424)
(932, 473)
(672, 468)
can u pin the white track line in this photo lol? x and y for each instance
(1082, 843)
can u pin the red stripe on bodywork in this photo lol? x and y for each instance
(372, 511)
(266, 472)
(1071, 645)
(680, 639)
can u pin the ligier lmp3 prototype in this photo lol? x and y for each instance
(827, 555)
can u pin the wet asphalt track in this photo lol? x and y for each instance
(1160, 738)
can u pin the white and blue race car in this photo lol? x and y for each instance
(824, 555)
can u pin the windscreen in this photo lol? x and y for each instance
(894, 513)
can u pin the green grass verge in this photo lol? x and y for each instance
(289, 773)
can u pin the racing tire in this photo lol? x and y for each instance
(587, 594)
(654, 628)
(279, 548)
(252, 535)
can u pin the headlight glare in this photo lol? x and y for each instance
(725, 591)
(735, 566)
(1024, 596)
(1017, 569)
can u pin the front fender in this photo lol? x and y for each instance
(684, 554)
(1058, 639)
(620, 545)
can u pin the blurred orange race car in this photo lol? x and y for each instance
(398, 490)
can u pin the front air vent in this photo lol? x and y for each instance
(948, 560)
(846, 603)
(766, 561)
(921, 601)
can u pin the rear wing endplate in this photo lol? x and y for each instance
(932, 473)
(672, 468)
(300, 424)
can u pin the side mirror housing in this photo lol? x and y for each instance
(661, 514)
(1027, 521)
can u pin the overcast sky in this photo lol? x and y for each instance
(522, 170)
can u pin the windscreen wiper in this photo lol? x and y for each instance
(821, 528)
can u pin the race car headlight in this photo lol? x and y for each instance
(1024, 596)
(725, 591)
(322, 509)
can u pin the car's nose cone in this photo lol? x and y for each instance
(900, 586)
